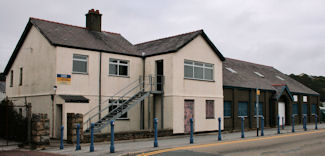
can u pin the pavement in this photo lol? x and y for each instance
(139, 146)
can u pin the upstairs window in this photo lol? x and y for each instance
(295, 98)
(282, 79)
(80, 64)
(304, 99)
(259, 74)
(118, 67)
(11, 78)
(21, 77)
(198, 70)
(231, 70)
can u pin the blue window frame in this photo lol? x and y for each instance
(227, 109)
(242, 108)
(260, 108)
(304, 108)
(295, 109)
(313, 109)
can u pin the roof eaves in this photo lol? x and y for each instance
(214, 48)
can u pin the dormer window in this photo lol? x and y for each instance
(231, 70)
(259, 74)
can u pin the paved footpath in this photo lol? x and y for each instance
(138, 146)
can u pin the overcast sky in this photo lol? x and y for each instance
(286, 34)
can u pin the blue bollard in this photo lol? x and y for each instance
(316, 121)
(293, 124)
(219, 129)
(242, 127)
(155, 123)
(61, 141)
(92, 137)
(282, 122)
(112, 148)
(278, 124)
(305, 122)
(262, 126)
(78, 138)
(191, 136)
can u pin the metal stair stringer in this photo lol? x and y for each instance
(119, 111)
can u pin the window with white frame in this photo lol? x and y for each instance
(295, 98)
(198, 70)
(116, 103)
(304, 99)
(80, 64)
(118, 67)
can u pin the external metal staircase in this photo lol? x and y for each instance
(131, 95)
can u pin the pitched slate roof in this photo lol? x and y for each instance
(59, 34)
(246, 78)
(173, 44)
(2, 86)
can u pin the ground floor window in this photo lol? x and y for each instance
(227, 109)
(260, 109)
(209, 109)
(242, 108)
(116, 103)
(294, 109)
(304, 108)
(313, 109)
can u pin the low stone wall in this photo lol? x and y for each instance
(40, 130)
(126, 135)
(74, 119)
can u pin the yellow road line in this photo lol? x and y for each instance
(228, 142)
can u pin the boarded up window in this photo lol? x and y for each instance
(260, 109)
(304, 108)
(209, 109)
(295, 109)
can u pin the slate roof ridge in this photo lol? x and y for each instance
(249, 62)
(200, 30)
(70, 25)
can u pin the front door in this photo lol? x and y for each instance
(281, 112)
(188, 114)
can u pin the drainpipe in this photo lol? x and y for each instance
(100, 86)
(142, 102)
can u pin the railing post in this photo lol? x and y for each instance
(155, 143)
(316, 121)
(150, 82)
(242, 127)
(293, 123)
(282, 122)
(92, 137)
(112, 148)
(61, 141)
(262, 126)
(219, 129)
(191, 136)
(78, 137)
(305, 123)
(278, 124)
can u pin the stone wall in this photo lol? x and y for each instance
(99, 137)
(74, 119)
(40, 130)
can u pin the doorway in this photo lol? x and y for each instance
(58, 121)
(159, 74)
(281, 112)
(188, 114)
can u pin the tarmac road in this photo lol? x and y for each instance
(311, 143)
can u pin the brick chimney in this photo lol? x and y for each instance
(94, 20)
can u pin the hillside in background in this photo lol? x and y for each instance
(316, 83)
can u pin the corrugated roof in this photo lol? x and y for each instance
(246, 78)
